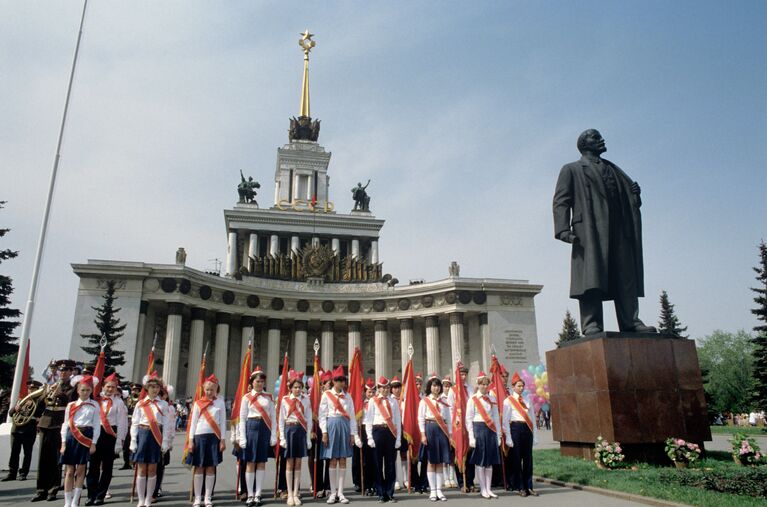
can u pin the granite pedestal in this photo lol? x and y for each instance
(635, 388)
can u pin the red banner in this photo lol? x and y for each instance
(460, 435)
(356, 383)
(281, 394)
(98, 372)
(496, 385)
(410, 413)
(199, 392)
(242, 387)
(316, 393)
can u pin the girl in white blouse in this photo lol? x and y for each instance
(79, 434)
(485, 432)
(206, 442)
(295, 433)
(436, 430)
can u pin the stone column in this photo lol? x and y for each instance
(456, 336)
(335, 245)
(299, 345)
(484, 334)
(432, 344)
(172, 354)
(138, 368)
(381, 349)
(315, 241)
(355, 337)
(222, 349)
(248, 325)
(273, 356)
(355, 249)
(231, 254)
(252, 249)
(374, 252)
(295, 244)
(196, 336)
(405, 338)
(274, 245)
(326, 346)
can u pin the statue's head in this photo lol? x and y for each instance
(591, 141)
(359, 183)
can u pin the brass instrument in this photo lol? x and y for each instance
(29, 408)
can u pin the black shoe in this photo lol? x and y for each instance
(642, 328)
(98, 501)
(393, 500)
(380, 499)
(532, 492)
(126, 466)
(524, 493)
(90, 501)
(39, 497)
(257, 501)
(357, 489)
(22, 477)
(51, 497)
(9, 477)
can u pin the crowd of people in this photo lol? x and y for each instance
(82, 429)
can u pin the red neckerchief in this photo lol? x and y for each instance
(103, 413)
(386, 413)
(253, 402)
(293, 404)
(483, 413)
(521, 408)
(437, 415)
(337, 402)
(73, 408)
(154, 426)
(204, 405)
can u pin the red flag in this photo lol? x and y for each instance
(496, 384)
(98, 372)
(199, 392)
(149, 370)
(356, 388)
(460, 435)
(315, 394)
(280, 394)
(242, 387)
(410, 413)
(23, 391)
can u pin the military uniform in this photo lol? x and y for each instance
(23, 437)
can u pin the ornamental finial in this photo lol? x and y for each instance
(306, 44)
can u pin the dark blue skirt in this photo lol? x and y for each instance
(206, 451)
(257, 438)
(339, 439)
(295, 436)
(147, 449)
(76, 453)
(486, 451)
(438, 450)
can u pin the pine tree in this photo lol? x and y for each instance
(669, 323)
(110, 328)
(569, 331)
(760, 331)
(9, 347)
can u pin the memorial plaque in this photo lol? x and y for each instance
(514, 347)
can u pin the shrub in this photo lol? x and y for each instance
(745, 450)
(681, 451)
(606, 454)
(737, 481)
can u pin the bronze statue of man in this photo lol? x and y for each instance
(596, 209)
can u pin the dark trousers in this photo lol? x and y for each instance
(522, 456)
(385, 462)
(19, 441)
(418, 476)
(368, 467)
(469, 472)
(126, 447)
(164, 461)
(323, 471)
(100, 466)
(48, 468)
(282, 482)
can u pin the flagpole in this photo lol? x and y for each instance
(317, 445)
(26, 325)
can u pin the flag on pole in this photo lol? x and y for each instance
(356, 388)
(410, 413)
(242, 386)
(315, 394)
(149, 368)
(199, 392)
(98, 372)
(496, 384)
(280, 394)
(23, 391)
(460, 435)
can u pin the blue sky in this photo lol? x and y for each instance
(461, 113)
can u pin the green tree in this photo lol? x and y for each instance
(569, 331)
(110, 328)
(9, 347)
(669, 323)
(727, 358)
(760, 331)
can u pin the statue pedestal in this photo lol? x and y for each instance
(634, 388)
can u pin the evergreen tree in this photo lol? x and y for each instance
(760, 331)
(569, 331)
(110, 328)
(9, 347)
(669, 323)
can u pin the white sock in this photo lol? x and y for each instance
(141, 488)
(198, 478)
(76, 496)
(432, 476)
(289, 481)
(67, 498)
(249, 478)
(488, 478)
(150, 484)
(341, 477)
(209, 480)
(440, 480)
(259, 480)
(404, 464)
(480, 473)
(333, 476)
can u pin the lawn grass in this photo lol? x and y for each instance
(759, 431)
(643, 480)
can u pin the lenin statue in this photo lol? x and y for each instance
(596, 209)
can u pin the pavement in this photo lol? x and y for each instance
(178, 482)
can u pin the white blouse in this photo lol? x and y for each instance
(304, 406)
(328, 409)
(87, 415)
(199, 424)
(473, 415)
(160, 410)
(374, 417)
(248, 410)
(117, 415)
(425, 413)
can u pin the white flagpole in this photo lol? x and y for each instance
(26, 325)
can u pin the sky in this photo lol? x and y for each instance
(461, 114)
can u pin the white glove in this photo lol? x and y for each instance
(357, 441)
(283, 443)
(272, 442)
(509, 443)
(118, 448)
(242, 442)
(472, 442)
(371, 443)
(499, 440)
(308, 443)
(398, 444)
(164, 448)
(133, 447)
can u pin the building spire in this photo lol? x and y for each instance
(306, 44)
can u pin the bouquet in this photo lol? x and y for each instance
(681, 451)
(745, 451)
(607, 455)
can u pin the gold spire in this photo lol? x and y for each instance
(306, 44)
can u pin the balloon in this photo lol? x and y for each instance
(539, 369)
(539, 391)
(547, 396)
(531, 368)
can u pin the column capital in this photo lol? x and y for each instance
(248, 321)
(301, 325)
(328, 325)
(175, 308)
(482, 319)
(143, 307)
(199, 313)
(380, 325)
(223, 318)
(406, 324)
(431, 321)
(456, 318)
(275, 323)
(354, 325)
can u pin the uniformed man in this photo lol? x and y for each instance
(57, 396)
(23, 436)
(130, 403)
